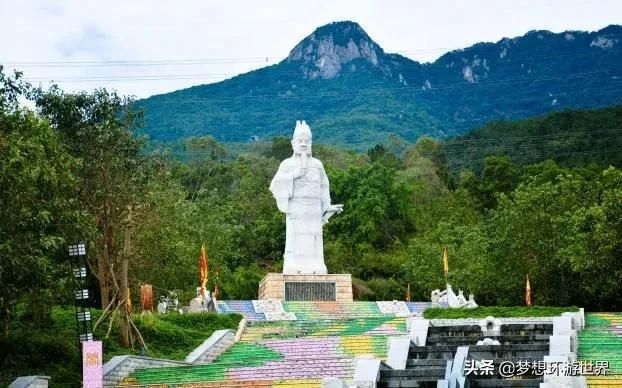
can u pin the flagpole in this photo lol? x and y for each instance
(528, 297)
(445, 265)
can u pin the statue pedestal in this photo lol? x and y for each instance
(337, 288)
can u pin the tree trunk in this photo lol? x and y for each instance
(124, 322)
(102, 268)
(103, 260)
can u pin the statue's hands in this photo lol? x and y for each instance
(335, 208)
(332, 209)
(300, 172)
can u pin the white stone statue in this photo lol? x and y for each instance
(162, 306)
(449, 296)
(300, 188)
(471, 302)
(488, 341)
(435, 297)
(196, 305)
(454, 301)
(461, 299)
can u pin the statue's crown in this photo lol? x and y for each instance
(301, 129)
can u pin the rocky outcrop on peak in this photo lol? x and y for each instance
(324, 53)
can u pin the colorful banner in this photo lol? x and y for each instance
(203, 270)
(146, 296)
(92, 373)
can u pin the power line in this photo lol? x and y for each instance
(492, 146)
(138, 77)
(267, 59)
(429, 127)
(403, 88)
(122, 63)
(536, 137)
(406, 119)
(514, 138)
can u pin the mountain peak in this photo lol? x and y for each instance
(323, 53)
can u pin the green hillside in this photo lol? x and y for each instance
(354, 94)
(570, 138)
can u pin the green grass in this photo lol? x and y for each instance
(51, 348)
(497, 312)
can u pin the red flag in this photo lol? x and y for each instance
(203, 269)
(528, 292)
(146, 296)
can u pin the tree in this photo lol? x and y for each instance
(528, 232)
(204, 148)
(380, 154)
(593, 242)
(280, 148)
(432, 150)
(37, 199)
(204, 156)
(376, 207)
(499, 176)
(467, 246)
(97, 128)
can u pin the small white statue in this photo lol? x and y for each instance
(488, 341)
(471, 302)
(210, 302)
(461, 299)
(435, 297)
(162, 306)
(490, 326)
(196, 305)
(300, 187)
(448, 296)
(454, 301)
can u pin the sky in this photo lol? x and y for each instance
(147, 47)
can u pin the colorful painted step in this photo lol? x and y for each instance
(298, 353)
(600, 341)
(295, 329)
(324, 310)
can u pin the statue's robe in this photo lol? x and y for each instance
(303, 200)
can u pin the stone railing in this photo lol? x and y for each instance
(30, 382)
(212, 347)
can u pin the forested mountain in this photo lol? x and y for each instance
(353, 93)
(571, 138)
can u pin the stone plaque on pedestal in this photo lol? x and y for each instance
(320, 291)
(306, 287)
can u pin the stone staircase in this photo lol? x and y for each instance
(119, 367)
(327, 327)
(217, 349)
(244, 307)
(427, 364)
(285, 353)
(320, 343)
(308, 311)
(601, 340)
(214, 346)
